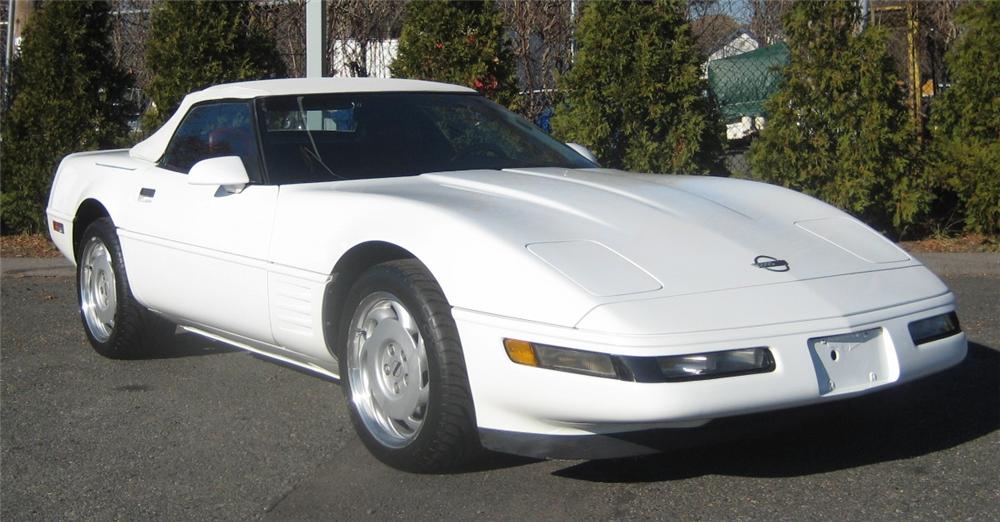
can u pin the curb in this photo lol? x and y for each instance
(36, 267)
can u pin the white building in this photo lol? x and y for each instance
(741, 41)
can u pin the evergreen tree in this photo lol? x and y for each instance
(635, 95)
(837, 128)
(965, 119)
(67, 97)
(193, 45)
(460, 42)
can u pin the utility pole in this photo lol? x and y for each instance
(572, 30)
(8, 52)
(18, 12)
(315, 38)
(865, 8)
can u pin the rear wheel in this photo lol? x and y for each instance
(403, 370)
(116, 325)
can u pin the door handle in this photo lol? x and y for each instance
(146, 194)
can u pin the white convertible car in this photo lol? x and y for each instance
(475, 283)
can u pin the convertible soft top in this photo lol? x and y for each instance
(152, 147)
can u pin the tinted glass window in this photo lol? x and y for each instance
(372, 135)
(210, 131)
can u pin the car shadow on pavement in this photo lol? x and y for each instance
(187, 344)
(932, 414)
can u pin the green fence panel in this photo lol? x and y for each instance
(741, 83)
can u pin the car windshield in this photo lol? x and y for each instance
(325, 137)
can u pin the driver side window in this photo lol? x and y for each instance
(210, 131)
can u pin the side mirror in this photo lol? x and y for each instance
(584, 151)
(227, 172)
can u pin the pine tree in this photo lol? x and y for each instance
(67, 97)
(965, 119)
(460, 42)
(197, 44)
(634, 94)
(837, 128)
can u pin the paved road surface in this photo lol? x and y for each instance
(208, 432)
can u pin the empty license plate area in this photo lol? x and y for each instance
(850, 362)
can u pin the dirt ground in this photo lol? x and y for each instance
(38, 245)
(966, 243)
(27, 245)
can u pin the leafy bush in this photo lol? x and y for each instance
(837, 128)
(457, 42)
(193, 45)
(635, 95)
(67, 97)
(965, 119)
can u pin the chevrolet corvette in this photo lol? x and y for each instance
(474, 283)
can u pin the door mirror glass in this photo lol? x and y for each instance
(583, 151)
(227, 172)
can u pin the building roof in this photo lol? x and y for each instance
(151, 149)
(735, 35)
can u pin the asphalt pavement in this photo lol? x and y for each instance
(207, 432)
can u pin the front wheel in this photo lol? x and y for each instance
(403, 370)
(116, 325)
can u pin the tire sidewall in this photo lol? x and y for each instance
(384, 278)
(104, 230)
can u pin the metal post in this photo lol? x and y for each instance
(315, 38)
(913, 48)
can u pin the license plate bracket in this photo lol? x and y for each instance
(850, 362)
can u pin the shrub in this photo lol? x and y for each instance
(193, 45)
(635, 95)
(965, 119)
(67, 97)
(457, 42)
(837, 128)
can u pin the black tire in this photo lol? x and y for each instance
(447, 439)
(134, 331)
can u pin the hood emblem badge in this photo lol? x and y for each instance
(770, 263)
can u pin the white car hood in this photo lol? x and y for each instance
(692, 234)
(509, 242)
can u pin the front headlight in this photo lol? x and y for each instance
(716, 364)
(673, 368)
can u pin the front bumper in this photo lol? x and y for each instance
(539, 412)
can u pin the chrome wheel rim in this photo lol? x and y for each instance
(98, 292)
(387, 367)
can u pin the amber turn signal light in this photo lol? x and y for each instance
(520, 352)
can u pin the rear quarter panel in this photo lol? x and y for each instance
(109, 177)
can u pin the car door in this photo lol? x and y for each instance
(198, 253)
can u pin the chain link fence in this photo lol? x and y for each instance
(741, 84)
(362, 38)
(919, 33)
(741, 40)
